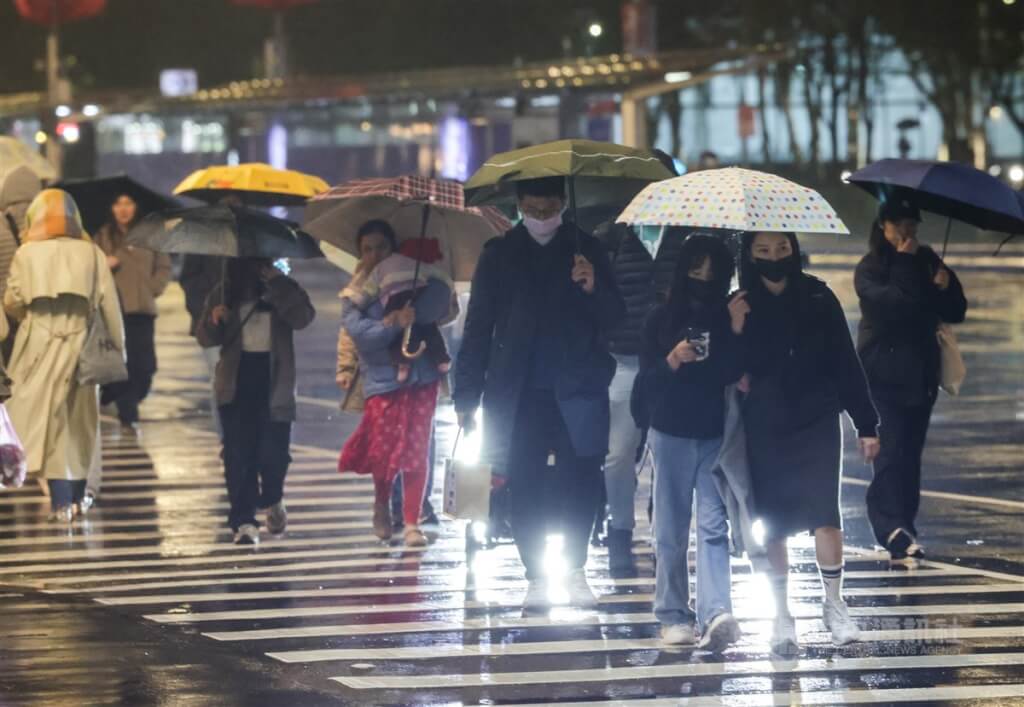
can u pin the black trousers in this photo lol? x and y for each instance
(140, 350)
(256, 448)
(895, 491)
(547, 499)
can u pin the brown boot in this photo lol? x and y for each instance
(382, 520)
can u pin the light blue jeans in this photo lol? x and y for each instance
(623, 440)
(682, 466)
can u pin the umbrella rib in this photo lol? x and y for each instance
(616, 158)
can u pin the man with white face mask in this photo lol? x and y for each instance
(534, 351)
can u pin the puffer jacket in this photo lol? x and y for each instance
(633, 270)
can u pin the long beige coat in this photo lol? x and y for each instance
(49, 291)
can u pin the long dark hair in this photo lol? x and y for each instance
(878, 245)
(695, 250)
(242, 281)
(749, 279)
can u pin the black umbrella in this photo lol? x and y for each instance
(227, 231)
(95, 197)
(956, 191)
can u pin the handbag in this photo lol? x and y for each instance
(952, 369)
(101, 361)
(467, 488)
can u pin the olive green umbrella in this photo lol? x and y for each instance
(598, 173)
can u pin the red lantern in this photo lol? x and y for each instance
(276, 5)
(50, 12)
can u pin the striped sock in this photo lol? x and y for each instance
(832, 581)
(781, 593)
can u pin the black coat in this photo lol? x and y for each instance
(633, 269)
(494, 361)
(802, 340)
(901, 308)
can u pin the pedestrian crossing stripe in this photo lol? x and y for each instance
(653, 672)
(134, 568)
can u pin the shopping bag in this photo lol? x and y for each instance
(467, 489)
(13, 462)
(952, 370)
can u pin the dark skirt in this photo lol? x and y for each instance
(794, 464)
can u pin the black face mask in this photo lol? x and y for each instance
(776, 270)
(702, 291)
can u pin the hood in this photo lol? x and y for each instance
(52, 214)
(19, 186)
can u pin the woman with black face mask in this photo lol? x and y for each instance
(690, 352)
(802, 372)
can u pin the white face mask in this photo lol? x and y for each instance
(543, 230)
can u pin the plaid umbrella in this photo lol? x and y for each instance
(417, 208)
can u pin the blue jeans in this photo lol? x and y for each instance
(623, 440)
(682, 466)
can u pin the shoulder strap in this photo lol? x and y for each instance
(12, 224)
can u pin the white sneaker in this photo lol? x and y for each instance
(537, 596)
(783, 641)
(678, 635)
(720, 633)
(836, 617)
(247, 534)
(580, 593)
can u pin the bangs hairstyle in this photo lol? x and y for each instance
(749, 279)
(377, 226)
(695, 250)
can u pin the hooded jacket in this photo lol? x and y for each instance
(17, 190)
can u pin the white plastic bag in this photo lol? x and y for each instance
(13, 462)
(467, 489)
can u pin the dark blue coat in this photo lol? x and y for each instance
(494, 361)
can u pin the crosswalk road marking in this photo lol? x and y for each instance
(439, 626)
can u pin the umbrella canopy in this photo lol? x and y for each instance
(734, 199)
(224, 231)
(458, 230)
(601, 172)
(14, 153)
(956, 191)
(256, 183)
(95, 196)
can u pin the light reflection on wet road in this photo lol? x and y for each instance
(150, 604)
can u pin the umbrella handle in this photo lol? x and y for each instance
(406, 337)
(575, 219)
(945, 242)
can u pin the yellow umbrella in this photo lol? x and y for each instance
(257, 184)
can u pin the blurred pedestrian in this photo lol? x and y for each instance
(803, 372)
(58, 279)
(200, 275)
(141, 276)
(633, 269)
(691, 352)
(253, 320)
(17, 190)
(905, 292)
(393, 437)
(543, 299)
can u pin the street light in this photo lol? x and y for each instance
(595, 29)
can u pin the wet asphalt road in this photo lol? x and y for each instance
(147, 603)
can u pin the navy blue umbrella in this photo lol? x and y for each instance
(956, 191)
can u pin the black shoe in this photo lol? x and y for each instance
(621, 563)
(899, 545)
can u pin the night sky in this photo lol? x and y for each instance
(128, 45)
